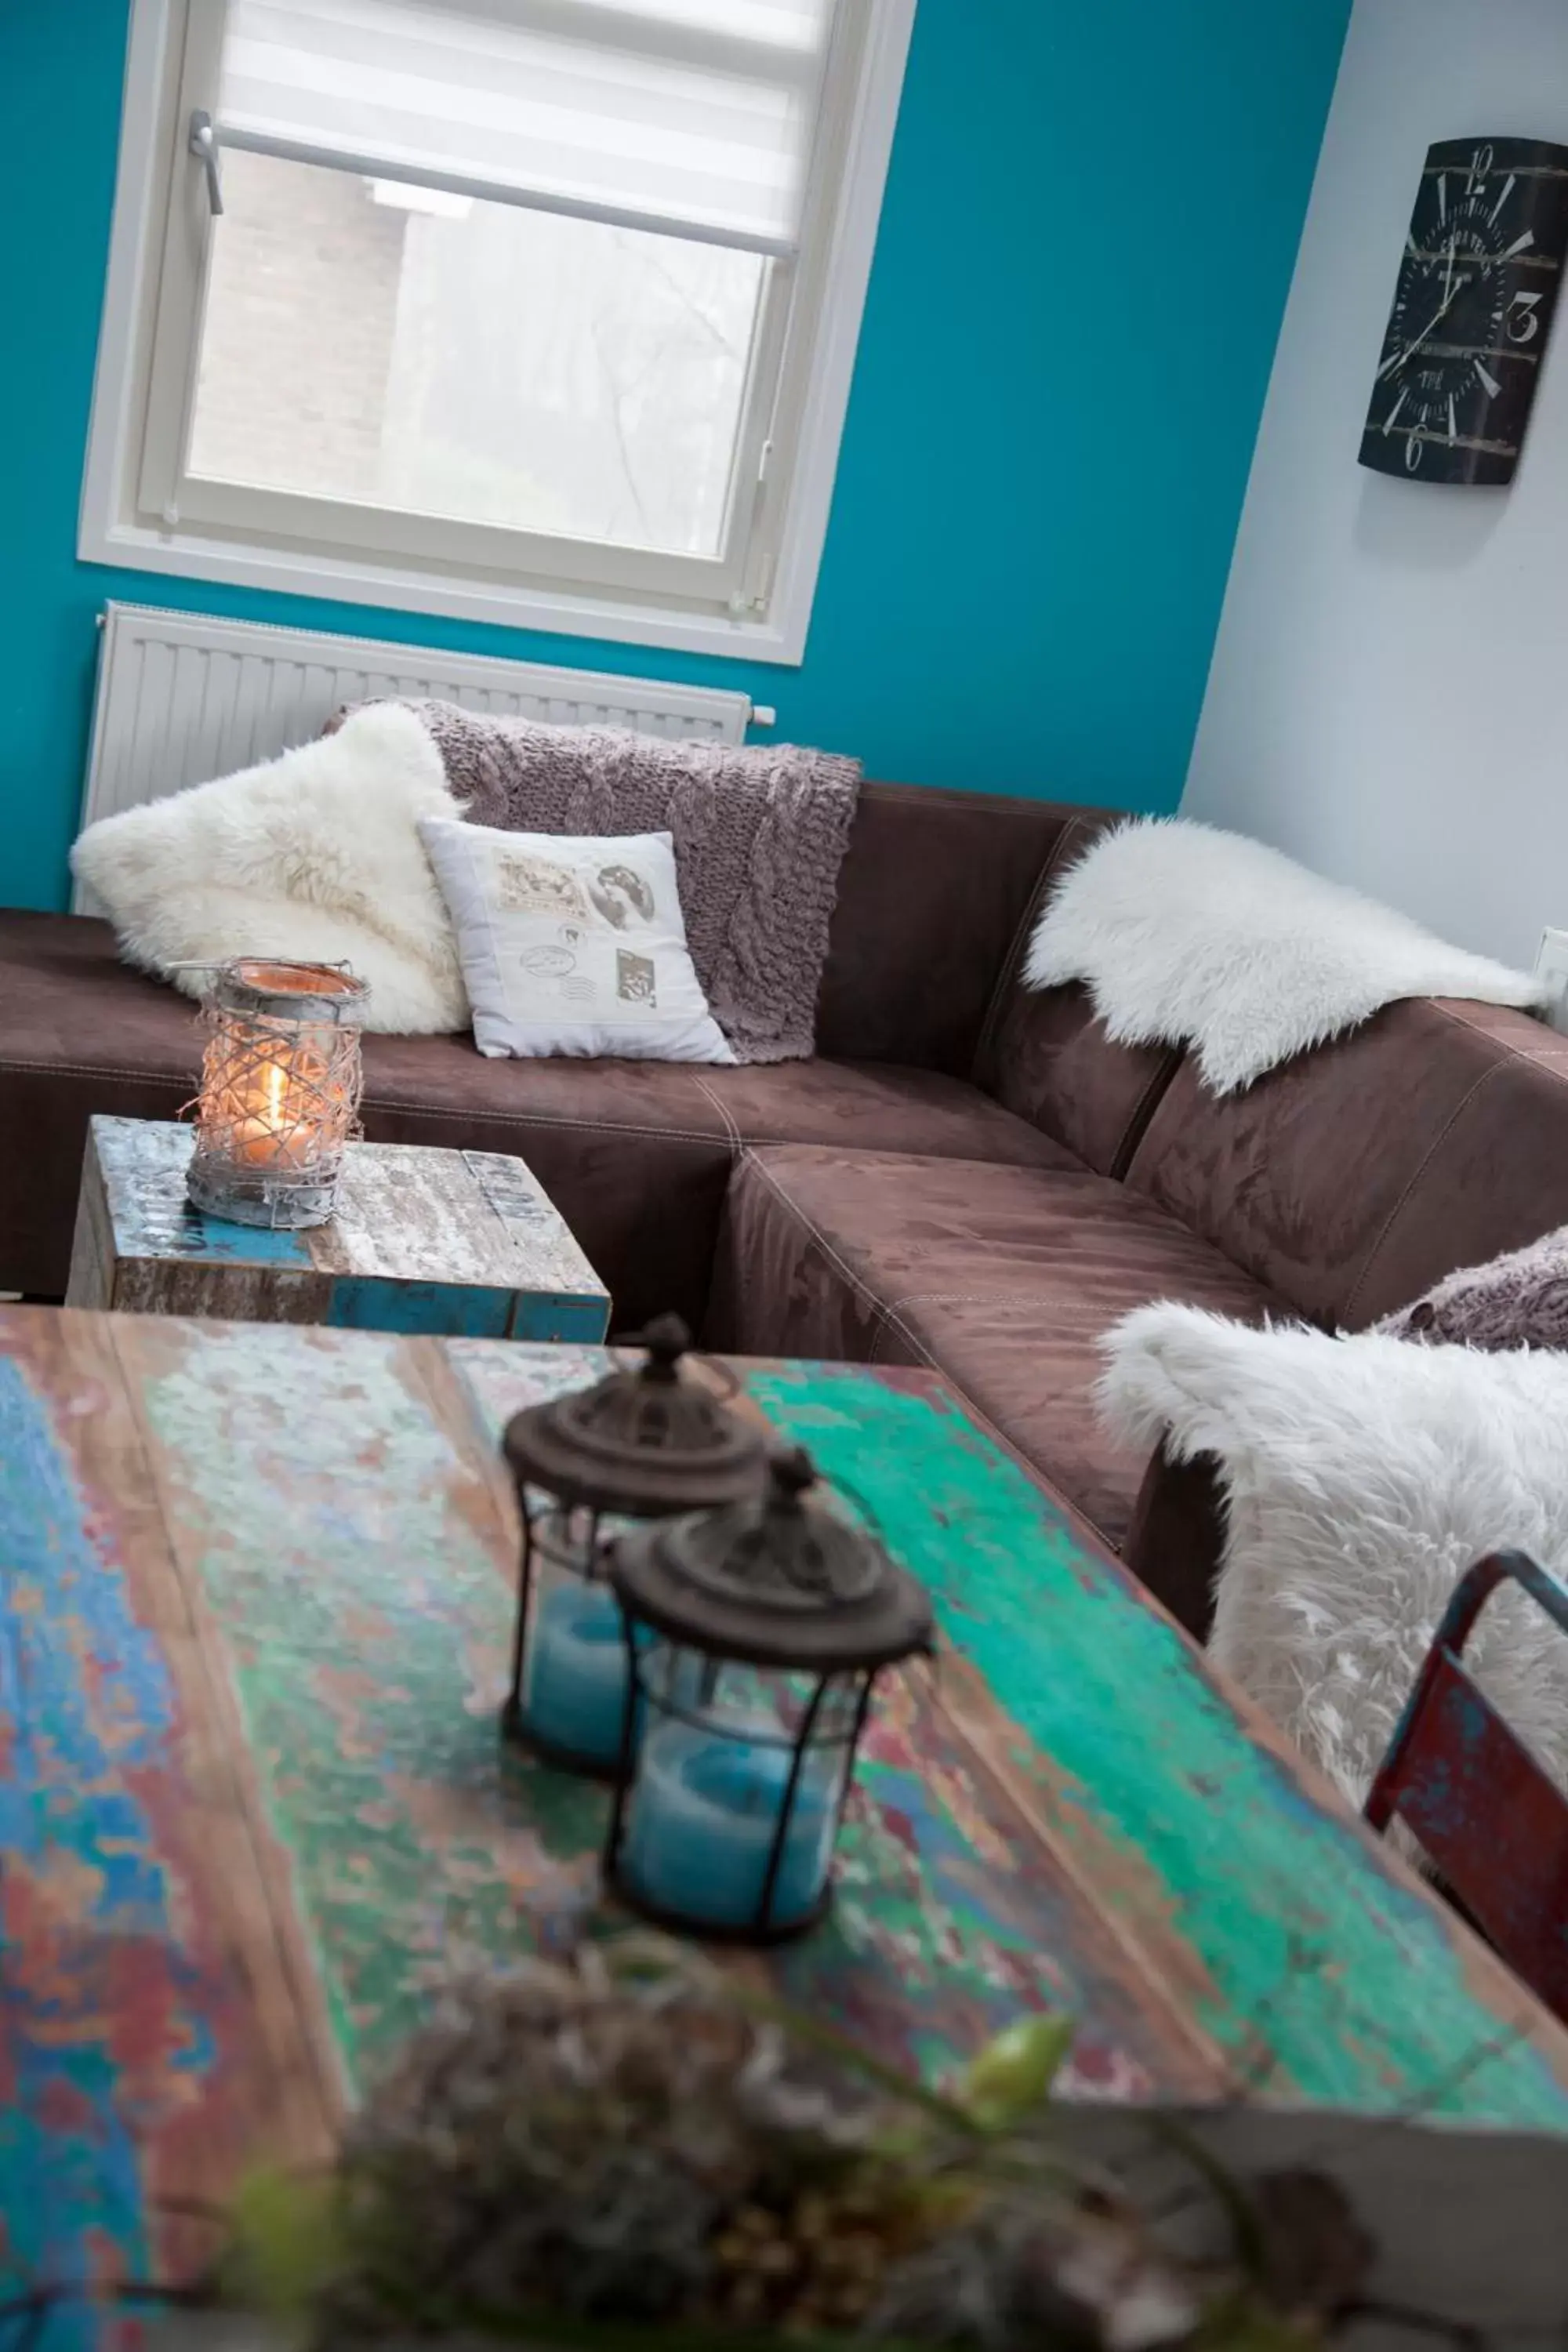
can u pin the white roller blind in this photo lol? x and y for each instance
(692, 114)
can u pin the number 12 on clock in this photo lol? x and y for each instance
(1472, 309)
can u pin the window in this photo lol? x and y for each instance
(539, 311)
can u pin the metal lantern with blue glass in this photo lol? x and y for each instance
(754, 1637)
(647, 1441)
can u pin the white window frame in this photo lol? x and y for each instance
(756, 608)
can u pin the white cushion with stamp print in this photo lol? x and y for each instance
(572, 945)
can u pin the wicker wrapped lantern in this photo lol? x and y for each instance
(755, 1635)
(280, 1088)
(644, 1443)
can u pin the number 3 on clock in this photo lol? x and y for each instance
(1471, 313)
(1523, 318)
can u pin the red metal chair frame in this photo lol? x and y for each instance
(1482, 1808)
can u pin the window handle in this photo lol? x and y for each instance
(203, 145)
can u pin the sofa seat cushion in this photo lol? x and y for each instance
(1003, 1278)
(635, 1155)
(67, 1003)
(874, 1107)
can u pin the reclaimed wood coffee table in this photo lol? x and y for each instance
(253, 1632)
(423, 1240)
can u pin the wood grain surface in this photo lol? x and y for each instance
(253, 1807)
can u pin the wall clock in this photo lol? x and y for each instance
(1472, 310)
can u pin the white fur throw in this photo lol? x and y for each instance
(315, 855)
(1362, 1477)
(1186, 935)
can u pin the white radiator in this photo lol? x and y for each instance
(182, 696)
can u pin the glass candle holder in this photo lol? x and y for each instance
(754, 1636)
(280, 1089)
(740, 1781)
(573, 1688)
(646, 1441)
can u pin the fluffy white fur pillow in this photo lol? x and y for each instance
(1363, 1476)
(315, 855)
(1187, 935)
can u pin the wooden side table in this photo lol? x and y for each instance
(463, 1243)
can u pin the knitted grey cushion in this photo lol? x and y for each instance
(760, 834)
(1520, 1300)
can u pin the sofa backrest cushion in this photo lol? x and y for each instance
(1045, 1054)
(930, 896)
(1351, 1177)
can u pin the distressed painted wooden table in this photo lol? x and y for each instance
(423, 1240)
(257, 1595)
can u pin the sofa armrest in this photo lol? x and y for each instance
(1176, 1540)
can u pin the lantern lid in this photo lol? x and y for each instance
(647, 1439)
(774, 1580)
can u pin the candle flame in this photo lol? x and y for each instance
(269, 1114)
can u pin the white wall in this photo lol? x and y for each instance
(1388, 700)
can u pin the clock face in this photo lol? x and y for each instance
(1478, 285)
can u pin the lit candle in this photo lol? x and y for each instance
(272, 1135)
(576, 1694)
(704, 1815)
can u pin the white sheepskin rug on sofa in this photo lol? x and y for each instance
(1187, 935)
(1362, 1474)
(315, 855)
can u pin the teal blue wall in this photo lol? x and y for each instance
(1086, 244)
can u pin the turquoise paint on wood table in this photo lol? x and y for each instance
(253, 1806)
(1338, 1977)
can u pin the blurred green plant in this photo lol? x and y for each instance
(633, 2152)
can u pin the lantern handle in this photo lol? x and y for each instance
(660, 1354)
(792, 1471)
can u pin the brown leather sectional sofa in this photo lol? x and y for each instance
(969, 1176)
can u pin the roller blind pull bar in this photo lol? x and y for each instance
(206, 138)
